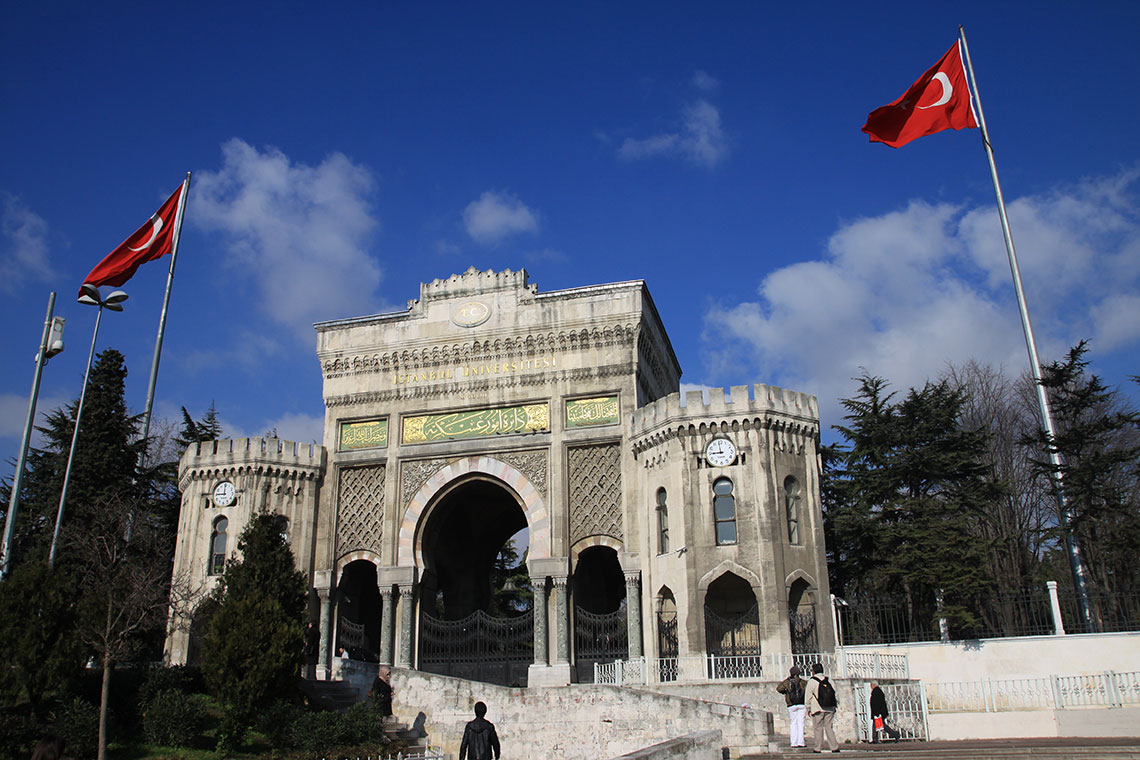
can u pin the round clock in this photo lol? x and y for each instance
(720, 452)
(224, 494)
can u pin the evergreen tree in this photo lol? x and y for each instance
(195, 431)
(511, 591)
(1098, 442)
(252, 651)
(904, 499)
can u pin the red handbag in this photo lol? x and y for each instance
(878, 724)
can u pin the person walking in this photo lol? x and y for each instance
(793, 688)
(879, 715)
(821, 706)
(381, 691)
(479, 737)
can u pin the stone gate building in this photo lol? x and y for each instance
(654, 524)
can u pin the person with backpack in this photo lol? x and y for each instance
(792, 688)
(821, 706)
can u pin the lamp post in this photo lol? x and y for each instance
(90, 296)
(51, 343)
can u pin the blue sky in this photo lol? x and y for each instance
(344, 153)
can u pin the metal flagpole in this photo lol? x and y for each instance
(162, 317)
(74, 440)
(14, 501)
(1075, 561)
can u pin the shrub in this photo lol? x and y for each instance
(360, 726)
(173, 718)
(77, 723)
(179, 678)
(18, 734)
(276, 722)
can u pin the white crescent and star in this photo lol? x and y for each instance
(156, 222)
(947, 91)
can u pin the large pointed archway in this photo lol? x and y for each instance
(476, 619)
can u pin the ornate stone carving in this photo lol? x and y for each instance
(529, 463)
(414, 474)
(595, 492)
(360, 509)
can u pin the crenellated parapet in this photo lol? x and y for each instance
(782, 412)
(475, 282)
(235, 457)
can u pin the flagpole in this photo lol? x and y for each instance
(1076, 562)
(162, 319)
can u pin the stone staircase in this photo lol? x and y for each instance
(979, 749)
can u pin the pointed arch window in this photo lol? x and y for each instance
(662, 522)
(792, 508)
(218, 546)
(724, 510)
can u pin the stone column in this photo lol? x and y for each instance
(387, 624)
(541, 647)
(561, 621)
(1055, 606)
(407, 618)
(633, 612)
(325, 596)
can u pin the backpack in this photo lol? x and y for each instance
(795, 692)
(826, 694)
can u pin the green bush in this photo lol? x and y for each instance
(18, 734)
(360, 726)
(173, 718)
(77, 723)
(185, 679)
(276, 722)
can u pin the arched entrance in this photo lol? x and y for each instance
(732, 628)
(476, 619)
(801, 618)
(600, 620)
(358, 612)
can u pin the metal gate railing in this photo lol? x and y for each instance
(906, 705)
(478, 647)
(599, 638)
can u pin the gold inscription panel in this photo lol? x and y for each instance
(469, 371)
(583, 412)
(372, 434)
(476, 424)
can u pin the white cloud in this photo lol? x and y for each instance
(23, 245)
(496, 216)
(14, 413)
(703, 81)
(903, 294)
(300, 232)
(698, 138)
(294, 426)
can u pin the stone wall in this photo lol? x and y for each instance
(705, 745)
(579, 722)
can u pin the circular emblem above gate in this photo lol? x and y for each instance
(471, 314)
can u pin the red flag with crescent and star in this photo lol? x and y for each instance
(939, 100)
(153, 240)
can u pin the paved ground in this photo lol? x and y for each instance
(1004, 749)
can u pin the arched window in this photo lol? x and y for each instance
(792, 506)
(662, 523)
(218, 546)
(724, 510)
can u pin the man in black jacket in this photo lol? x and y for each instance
(479, 738)
(879, 714)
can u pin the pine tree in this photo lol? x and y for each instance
(252, 651)
(209, 428)
(903, 499)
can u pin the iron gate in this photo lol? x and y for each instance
(598, 638)
(906, 708)
(737, 636)
(478, 647)
(803, 631)
(667, 646)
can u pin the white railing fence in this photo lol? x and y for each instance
(1108, 689)
(702, 668)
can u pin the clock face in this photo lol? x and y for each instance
(224, 494)
(720, 452)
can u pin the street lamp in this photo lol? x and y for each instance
(51, 343)
(90, 296)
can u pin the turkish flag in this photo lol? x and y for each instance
(939, 100)
(153, 240)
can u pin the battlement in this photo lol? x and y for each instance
(234, 454)
(738, 402)
(475, 281)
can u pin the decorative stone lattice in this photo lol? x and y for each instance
(532, 464)
(360, 509)
(595, 492)
(414, 474)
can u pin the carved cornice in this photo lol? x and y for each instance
(257, 469)
(436, 356)
(451, 389)
(788, 434)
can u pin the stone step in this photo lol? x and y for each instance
(1011, 749)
